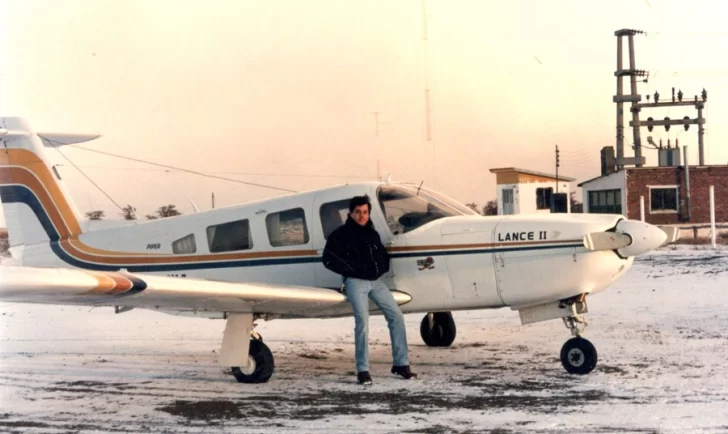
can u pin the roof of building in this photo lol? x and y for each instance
(709, 167)
(532, 172)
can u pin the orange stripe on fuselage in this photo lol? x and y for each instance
(442, 247)
(59, 211)
(36, 166)
(36, 176)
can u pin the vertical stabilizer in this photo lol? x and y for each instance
(35, 200)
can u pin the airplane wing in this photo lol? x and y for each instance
(96, 288)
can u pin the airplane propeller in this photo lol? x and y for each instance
(632, 238)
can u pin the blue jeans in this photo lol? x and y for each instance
(358, 292)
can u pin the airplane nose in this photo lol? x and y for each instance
(645, 237)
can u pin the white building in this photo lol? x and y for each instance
(522, 191)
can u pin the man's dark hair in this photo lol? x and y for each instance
(359, 201)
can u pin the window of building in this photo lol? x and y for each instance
(229, 237)
(333, 215)
(605, 201)
(287, 228)
(543, 198)
(184, 245)
(663, 199)
(507, 196)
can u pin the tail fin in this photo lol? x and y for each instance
(35, 200)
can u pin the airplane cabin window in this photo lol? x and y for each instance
(229, 237)
(287, 228)
(184, 245)
(333, 215)
(407, 209)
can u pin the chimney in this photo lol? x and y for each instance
(609, 161)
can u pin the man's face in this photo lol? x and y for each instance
(361, 214)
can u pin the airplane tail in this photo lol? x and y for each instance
(35, 200)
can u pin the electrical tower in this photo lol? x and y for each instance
(634, 98)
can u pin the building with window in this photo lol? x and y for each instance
(661, 191)
(522, 191)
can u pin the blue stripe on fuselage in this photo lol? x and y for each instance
(21, 194)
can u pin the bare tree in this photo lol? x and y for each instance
(473, 206)
(491, 208)
(129, 213)
(576, 206)
(167, 211)
(95, 215)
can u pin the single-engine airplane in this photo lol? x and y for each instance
(262, 260)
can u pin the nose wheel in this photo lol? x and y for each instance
(438, 329)
(578, 355)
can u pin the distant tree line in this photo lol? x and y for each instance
(129, 213)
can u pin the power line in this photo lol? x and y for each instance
(57, 148)
(224, 173)
(194, 172)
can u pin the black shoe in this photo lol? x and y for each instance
(364, 378)
(404, 372)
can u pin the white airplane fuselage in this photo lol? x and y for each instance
(463, 261)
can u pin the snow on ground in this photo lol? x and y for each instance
(660, 332)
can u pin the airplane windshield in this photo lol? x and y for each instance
(407, 209)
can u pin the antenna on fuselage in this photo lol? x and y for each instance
(194, 205)
(418, 188)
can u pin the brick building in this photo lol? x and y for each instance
(663, 191)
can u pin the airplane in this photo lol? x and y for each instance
(262, 260)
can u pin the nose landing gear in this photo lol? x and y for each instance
(578, 355)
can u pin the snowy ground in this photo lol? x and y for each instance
(661, 335)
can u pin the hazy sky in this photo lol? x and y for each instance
(287, 89)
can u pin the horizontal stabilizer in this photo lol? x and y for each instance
(606, 241)
(673, 233)
(58, 139)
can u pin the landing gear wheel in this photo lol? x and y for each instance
(578, 356)
(438, 329)
(261, 365)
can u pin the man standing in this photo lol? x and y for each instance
(355, 251)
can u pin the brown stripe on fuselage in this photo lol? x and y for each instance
(436, 247)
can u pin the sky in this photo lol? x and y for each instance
(285, 93)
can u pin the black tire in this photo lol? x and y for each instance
(443, 331)
(578, 356)
(263, 368)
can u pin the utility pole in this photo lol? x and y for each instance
(620, 98)
(557, 169)
(376, 123)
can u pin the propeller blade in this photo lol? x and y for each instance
(606, 241)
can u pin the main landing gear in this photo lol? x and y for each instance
(578, 355)
(438, 329)
(251, 360)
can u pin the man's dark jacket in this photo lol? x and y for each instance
(356, 251)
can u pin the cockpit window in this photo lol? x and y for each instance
(407, 209)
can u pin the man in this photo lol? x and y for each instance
(355, 251)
